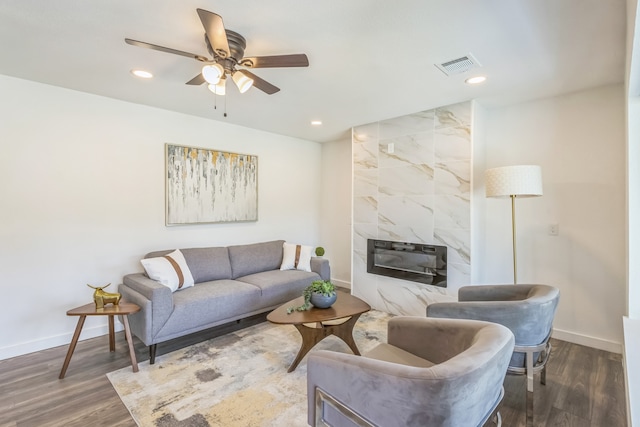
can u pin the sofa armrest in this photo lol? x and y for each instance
(321, 266)
(160, 300)
(140, 322)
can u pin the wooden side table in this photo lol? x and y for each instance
(123, 309)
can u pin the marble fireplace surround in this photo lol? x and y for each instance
(412, 183)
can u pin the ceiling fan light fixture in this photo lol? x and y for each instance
(212, 73)
(219, 88)
(242, 81)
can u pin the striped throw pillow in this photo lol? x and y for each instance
(170, 270)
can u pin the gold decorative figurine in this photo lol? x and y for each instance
(101, 297)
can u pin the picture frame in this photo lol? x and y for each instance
(205, 185)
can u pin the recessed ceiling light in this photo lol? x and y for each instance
(142, 74)
(475, 80)
(316, 122)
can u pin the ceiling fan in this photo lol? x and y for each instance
(226, 48)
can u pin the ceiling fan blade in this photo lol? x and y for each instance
(214, 27)
(261, 84)
(295, 60)
(166, 49)
(197, 80)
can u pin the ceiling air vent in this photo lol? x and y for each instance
(458, 65)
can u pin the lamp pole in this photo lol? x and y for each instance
(514, 181)
(513, 233)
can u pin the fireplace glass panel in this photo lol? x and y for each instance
(417, 262)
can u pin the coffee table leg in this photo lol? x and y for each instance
(112, 335)
(127, 334)
(344, 331)
(72, 346)
(310, 337)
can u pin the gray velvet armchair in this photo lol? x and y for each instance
(527, 310)
(432, 372)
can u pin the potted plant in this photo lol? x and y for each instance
(319, 251)
(320, 294)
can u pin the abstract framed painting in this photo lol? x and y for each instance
(209, 186)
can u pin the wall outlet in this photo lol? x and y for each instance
(390, 148)
(554, 229)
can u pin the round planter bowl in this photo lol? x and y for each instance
(323, 301)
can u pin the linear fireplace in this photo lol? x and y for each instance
(417, 262)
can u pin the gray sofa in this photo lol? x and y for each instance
(231, 283)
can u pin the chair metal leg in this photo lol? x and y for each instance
(543, 375)
(529, 362)
(529, 408)
(498, 419)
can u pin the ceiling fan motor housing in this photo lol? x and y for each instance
(237, 45)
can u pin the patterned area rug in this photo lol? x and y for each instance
(239, 379)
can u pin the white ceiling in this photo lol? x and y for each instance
(369, 60)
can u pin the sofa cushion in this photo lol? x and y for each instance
(210, 302)
(254, 258)
(206, 264)
(279, 286)
(170, 270)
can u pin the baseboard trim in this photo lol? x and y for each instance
(589, 341)
(54, 341)
(632, 368)
(341, 283)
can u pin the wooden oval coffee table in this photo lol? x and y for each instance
(346, 307)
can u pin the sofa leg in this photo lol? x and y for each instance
(152, 353)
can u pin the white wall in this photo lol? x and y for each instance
(579, 140)
(478, 198)
(82, 190)
(632, 323)
(633, 206)
(335, 209)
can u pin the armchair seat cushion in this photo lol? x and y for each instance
(389, 353)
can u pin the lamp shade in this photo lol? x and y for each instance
(521, 181)
(219, 88)
(212, 73)
(242, 81)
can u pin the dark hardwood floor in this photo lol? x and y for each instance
(585, 386)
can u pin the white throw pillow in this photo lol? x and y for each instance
(296, 257)
(170, 270)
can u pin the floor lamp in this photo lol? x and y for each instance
(514, 181)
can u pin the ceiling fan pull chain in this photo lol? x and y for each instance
(225, 106)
